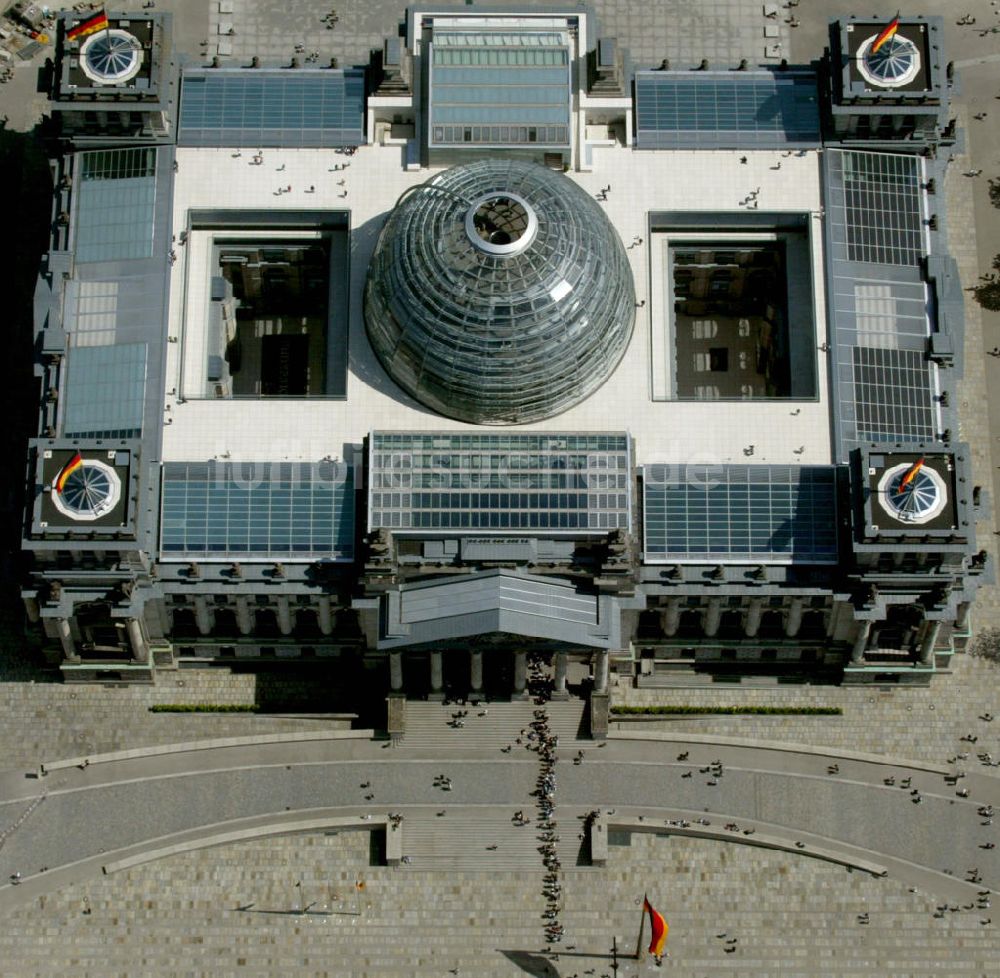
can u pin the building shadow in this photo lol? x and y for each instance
(24, 239)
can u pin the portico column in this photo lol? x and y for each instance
(559, 686)
(476, 670)
(244, 620)
(204, 616)
(325, 615)
(672, 619)
(165, 615)
(962, 617)
(752, 625)
(396, 670)
(601, 671)
(140, 650)
(520, 672)
(437, 676)
(66, 638)
(284, 616)
(928, 643)
(793, 622)
(713, 616)
(861, 643)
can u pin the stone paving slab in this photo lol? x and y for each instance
(723, 31)
(923, 723)
(789, 916)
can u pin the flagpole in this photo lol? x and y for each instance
(107, 26)
(642, 924)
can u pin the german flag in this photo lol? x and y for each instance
(67, 470)
(911, 474)
(658, 927)
(96, 23)
(889, 31)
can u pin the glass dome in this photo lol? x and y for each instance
(499, 293)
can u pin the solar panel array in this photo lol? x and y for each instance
(726, 110)
(535, 483)
(251, 107)
(105, 391)
(272, 510)
(882, 196)
(776, 514)
(116, 197)
(890, 394)
(500, 89)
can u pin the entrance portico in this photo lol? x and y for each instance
(472, 635)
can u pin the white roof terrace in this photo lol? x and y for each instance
(641, 182)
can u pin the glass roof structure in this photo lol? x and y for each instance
(292, 511)
(480, 274)
(105, 391)
(768, 514)
(726, 109)
(882, 197)
(116, 197)
(255, 107)
(529, 484)
(885, 386)
(500, 89)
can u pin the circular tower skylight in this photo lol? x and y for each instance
(895, 64)
(919, 501)
(90, 492)
(499, 293)
(111, 57)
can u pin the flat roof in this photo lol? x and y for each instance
(712, 182)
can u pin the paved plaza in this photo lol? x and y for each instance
(293, 904)
(233, 912)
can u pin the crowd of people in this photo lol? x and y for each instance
(540, 739)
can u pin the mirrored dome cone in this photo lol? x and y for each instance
(499, 293)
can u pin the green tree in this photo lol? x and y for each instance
(995, 191)
(986, 644)
(987, 292)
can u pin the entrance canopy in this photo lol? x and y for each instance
(496, 601)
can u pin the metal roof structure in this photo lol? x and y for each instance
(884, 382)
(500, 88)
(500, 484)
(760, 109)
(255, 107)
(748, 513)
(494, 601)
(232, 510)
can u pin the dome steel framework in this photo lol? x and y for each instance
(111, 57)
(499, 293)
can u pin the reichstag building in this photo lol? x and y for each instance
(521, 348)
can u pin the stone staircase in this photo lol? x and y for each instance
(459, 841)
(793, 918)
(427, 725)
